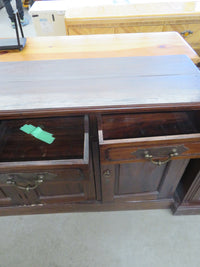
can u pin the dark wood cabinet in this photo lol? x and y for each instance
(140, 154)
(127, 135)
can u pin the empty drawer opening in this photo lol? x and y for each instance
(122, 126)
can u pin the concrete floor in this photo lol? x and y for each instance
(110, 239)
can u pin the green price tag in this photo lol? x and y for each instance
(38, 133)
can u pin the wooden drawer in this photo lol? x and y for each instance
(58, 186)
(34, 172)
(71, 144)
(156, 137)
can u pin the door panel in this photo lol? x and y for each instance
(141, 180)
(138, 177)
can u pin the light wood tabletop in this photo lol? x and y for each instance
(99, 46)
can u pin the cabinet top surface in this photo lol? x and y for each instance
(97, 83)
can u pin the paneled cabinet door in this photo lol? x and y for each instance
(139, 181)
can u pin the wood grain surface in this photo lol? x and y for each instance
(96, 83)
(107, 45)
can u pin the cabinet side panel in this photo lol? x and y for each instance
(172, 176)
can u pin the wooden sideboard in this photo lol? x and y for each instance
(182, 17)
(126, 133)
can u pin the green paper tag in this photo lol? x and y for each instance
(38, 133)
(27, 128)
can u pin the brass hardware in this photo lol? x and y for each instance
(160, 162)
(186, 33)
(26, 177)
(28, 187)
(159, 152)
(107, 173)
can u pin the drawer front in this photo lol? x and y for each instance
(160, 152)
(45, 176)
(59, 186)
(156, 137)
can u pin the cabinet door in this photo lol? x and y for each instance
(139, 181)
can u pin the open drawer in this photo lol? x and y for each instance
(156, 137)
(71, 144)
(33, 171)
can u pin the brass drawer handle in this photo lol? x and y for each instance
(160, 162)
(186, 33)
(27, 187)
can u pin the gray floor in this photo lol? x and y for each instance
(113, 239)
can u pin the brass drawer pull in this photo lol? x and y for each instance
(27, 187)
(186, 33)
(160, 162)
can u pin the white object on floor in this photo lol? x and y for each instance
(49, 17)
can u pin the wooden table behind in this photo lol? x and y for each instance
(95, 46)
